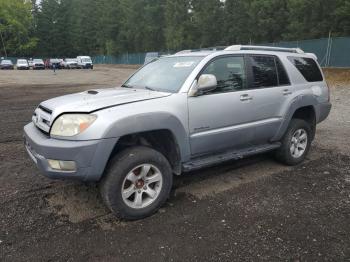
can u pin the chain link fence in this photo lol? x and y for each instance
(331, 52)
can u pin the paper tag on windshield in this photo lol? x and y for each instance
(184, 64)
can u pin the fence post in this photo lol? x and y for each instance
(330, 51)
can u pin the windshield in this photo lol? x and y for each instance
(6, 62)
(22, 62)
(86, 60)
(165, 74)
(38, 61)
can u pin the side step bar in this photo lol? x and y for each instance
(211, 160)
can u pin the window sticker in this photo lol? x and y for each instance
(183, 64)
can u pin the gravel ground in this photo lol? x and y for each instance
(253, 209)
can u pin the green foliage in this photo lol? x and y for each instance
(65, 28)
(16, 28)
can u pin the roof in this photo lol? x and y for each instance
(246, 49)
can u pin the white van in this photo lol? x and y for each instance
(85, 62)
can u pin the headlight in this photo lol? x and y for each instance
(71, 124)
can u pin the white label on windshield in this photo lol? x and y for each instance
(184, 64)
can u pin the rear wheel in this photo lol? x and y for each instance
(295, 143)
(137, 182)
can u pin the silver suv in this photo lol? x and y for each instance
(180, 113)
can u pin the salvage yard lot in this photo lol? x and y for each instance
(253, 209)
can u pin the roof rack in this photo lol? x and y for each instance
(214, 48)
(263, 48)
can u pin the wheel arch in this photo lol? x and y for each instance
(162, 140)
(304, 108)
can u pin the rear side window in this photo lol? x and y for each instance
(264, 71)
(283, 78)
(308, 68)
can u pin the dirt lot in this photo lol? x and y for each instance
(254, 209)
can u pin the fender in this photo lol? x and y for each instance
(152, 121)
(298, 102)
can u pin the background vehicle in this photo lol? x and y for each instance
(150, 56)
(85, 62)
(54, 62)
(70, 63)
(6, 64)
(177, 114)
(38, 64)
(22, 64)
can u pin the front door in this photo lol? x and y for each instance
(221, 119)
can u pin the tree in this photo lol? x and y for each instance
(16, 27)
(109, 27)
(179, 25)
(236, 21)
(209, 22)
(267, 20)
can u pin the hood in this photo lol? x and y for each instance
(97, 99)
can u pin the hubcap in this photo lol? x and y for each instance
(298, 143)
(142, 186)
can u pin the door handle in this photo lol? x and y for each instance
(287, 92)
(246, 97)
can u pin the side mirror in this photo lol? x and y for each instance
(205, 83)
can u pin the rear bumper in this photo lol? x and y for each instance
(90, 156)
(87, 66)
(38, 66)
(323, 111)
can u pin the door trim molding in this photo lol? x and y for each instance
(236, 127)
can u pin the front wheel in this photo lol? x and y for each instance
(295, 143)
(137, 182)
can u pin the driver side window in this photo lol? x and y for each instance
(229, 72)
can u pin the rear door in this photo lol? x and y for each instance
(271, 88)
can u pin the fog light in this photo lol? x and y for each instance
(62, 165)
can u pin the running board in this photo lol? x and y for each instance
(211, 160)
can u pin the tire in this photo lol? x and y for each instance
(115, 181)
(284, 153)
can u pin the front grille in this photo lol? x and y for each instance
(42, 119)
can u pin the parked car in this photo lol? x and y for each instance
(54, 62)
(38, 64)
(85, 62)
(177, 114)
(70, 63)
(151, 56)
(6, 64)
(22, 64)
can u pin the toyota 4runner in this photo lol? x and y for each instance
(180, 113)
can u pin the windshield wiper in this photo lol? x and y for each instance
(127, 86)
(149, 88)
